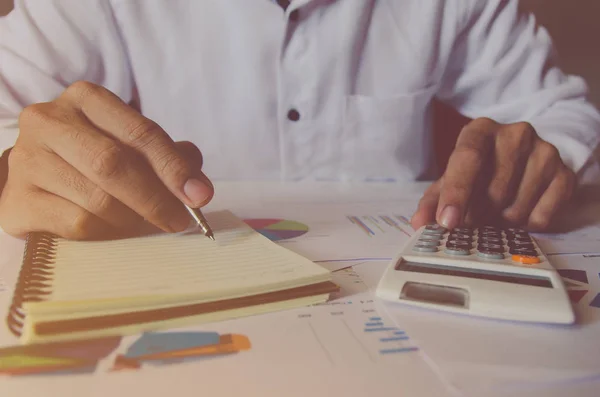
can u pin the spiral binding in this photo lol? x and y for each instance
(34, 279)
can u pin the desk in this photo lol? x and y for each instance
(268, 369)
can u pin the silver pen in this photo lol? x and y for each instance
(201, 221)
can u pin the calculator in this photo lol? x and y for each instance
(485, 271)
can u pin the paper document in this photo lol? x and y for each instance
(334, 231)
(483, 355)
(585, 240)
(345, 347)
(581, 231)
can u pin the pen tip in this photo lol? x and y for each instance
(211, 237)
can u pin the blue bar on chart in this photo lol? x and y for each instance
(399, 350)
(380, 329)
(394, 338)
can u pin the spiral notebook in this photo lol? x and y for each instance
(74, 289)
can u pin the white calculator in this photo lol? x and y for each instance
(488, 272)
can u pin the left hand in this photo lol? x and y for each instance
(498, 174)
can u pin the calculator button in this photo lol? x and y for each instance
(433, 233)
(425, 248)
(491, 240)
(526, 260)
(458, 244)
(519, 237)
(463, 230)
(523, 251)
(489, 229)
(429, 241)
(515, 230)
(523, 248)
(489, 236)
(490, 247)
(528, 246)
(487, 254)
(519, 243)
(460, 236)
(457, 251)
(434, 236)
(435, 227)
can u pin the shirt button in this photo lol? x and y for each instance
(283, 3)
(294, 15)
(293, 115)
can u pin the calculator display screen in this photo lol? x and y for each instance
(512, 278)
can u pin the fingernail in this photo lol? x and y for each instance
(450, 217)
(198, 192)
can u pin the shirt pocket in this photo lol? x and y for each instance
(387, 138)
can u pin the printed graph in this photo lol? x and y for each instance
(62, 358)
(278, 229)
(392, 340)
(577, 284)
(372, 225)
(353, 333)
(175, 347)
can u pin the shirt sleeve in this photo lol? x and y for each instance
(47, 45)
(503, 66)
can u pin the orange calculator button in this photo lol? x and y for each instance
(526, 260)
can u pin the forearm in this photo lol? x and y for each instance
(509, 73)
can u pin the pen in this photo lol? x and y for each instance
(201, 221)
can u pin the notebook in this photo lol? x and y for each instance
(70, 290)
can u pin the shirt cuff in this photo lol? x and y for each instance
(580, 153)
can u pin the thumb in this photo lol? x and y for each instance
(200, 185)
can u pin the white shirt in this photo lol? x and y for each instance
(360, 74)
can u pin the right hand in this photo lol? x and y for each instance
(88, 166)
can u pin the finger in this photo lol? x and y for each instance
(45, 212)
(54, 175)
(513, 145)
(553, 200)
(462, 172)
(192, 154)
(539, 172)
(479, 211)
(116, 169)
(425, 213)
(145, 136)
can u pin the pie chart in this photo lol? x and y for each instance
(277, 229)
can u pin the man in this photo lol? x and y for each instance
(114, 99)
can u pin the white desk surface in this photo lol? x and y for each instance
(231, 195)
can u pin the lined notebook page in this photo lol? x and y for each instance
(240, 260)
